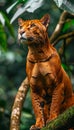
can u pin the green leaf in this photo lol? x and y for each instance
(65, 5)
(22, 1)
(66, 68)
(67, 25)
(30, 6)
(3, 43)
(2, 20)
(9, 26)
(15, 4)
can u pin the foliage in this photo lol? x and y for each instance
(13, 56)
(65, 5)
(29, 5)
(3, 36)
(68, 25)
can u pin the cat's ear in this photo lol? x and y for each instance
(20, 21)
(45, 20)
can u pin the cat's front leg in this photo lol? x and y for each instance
(38, 105)
(57, 99)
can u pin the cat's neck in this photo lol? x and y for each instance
(40, 52)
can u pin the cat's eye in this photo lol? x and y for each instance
(20, 27)
(32, 25)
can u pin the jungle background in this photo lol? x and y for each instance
(13, 56)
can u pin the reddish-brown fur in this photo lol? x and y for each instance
(51, 88)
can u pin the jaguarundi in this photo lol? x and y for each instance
(51, 89)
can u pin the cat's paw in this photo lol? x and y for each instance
(33, 127)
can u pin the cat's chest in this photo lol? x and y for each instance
(42, 78)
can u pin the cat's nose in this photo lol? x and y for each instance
(23, 35)
(22, 32)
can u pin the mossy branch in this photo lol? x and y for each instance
(62, 122)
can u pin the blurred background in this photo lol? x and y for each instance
(13, 55)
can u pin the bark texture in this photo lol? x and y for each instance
(18, 104)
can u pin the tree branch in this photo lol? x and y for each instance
(18, 103)
(64, 16)
(65, 36)
(63, 121)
